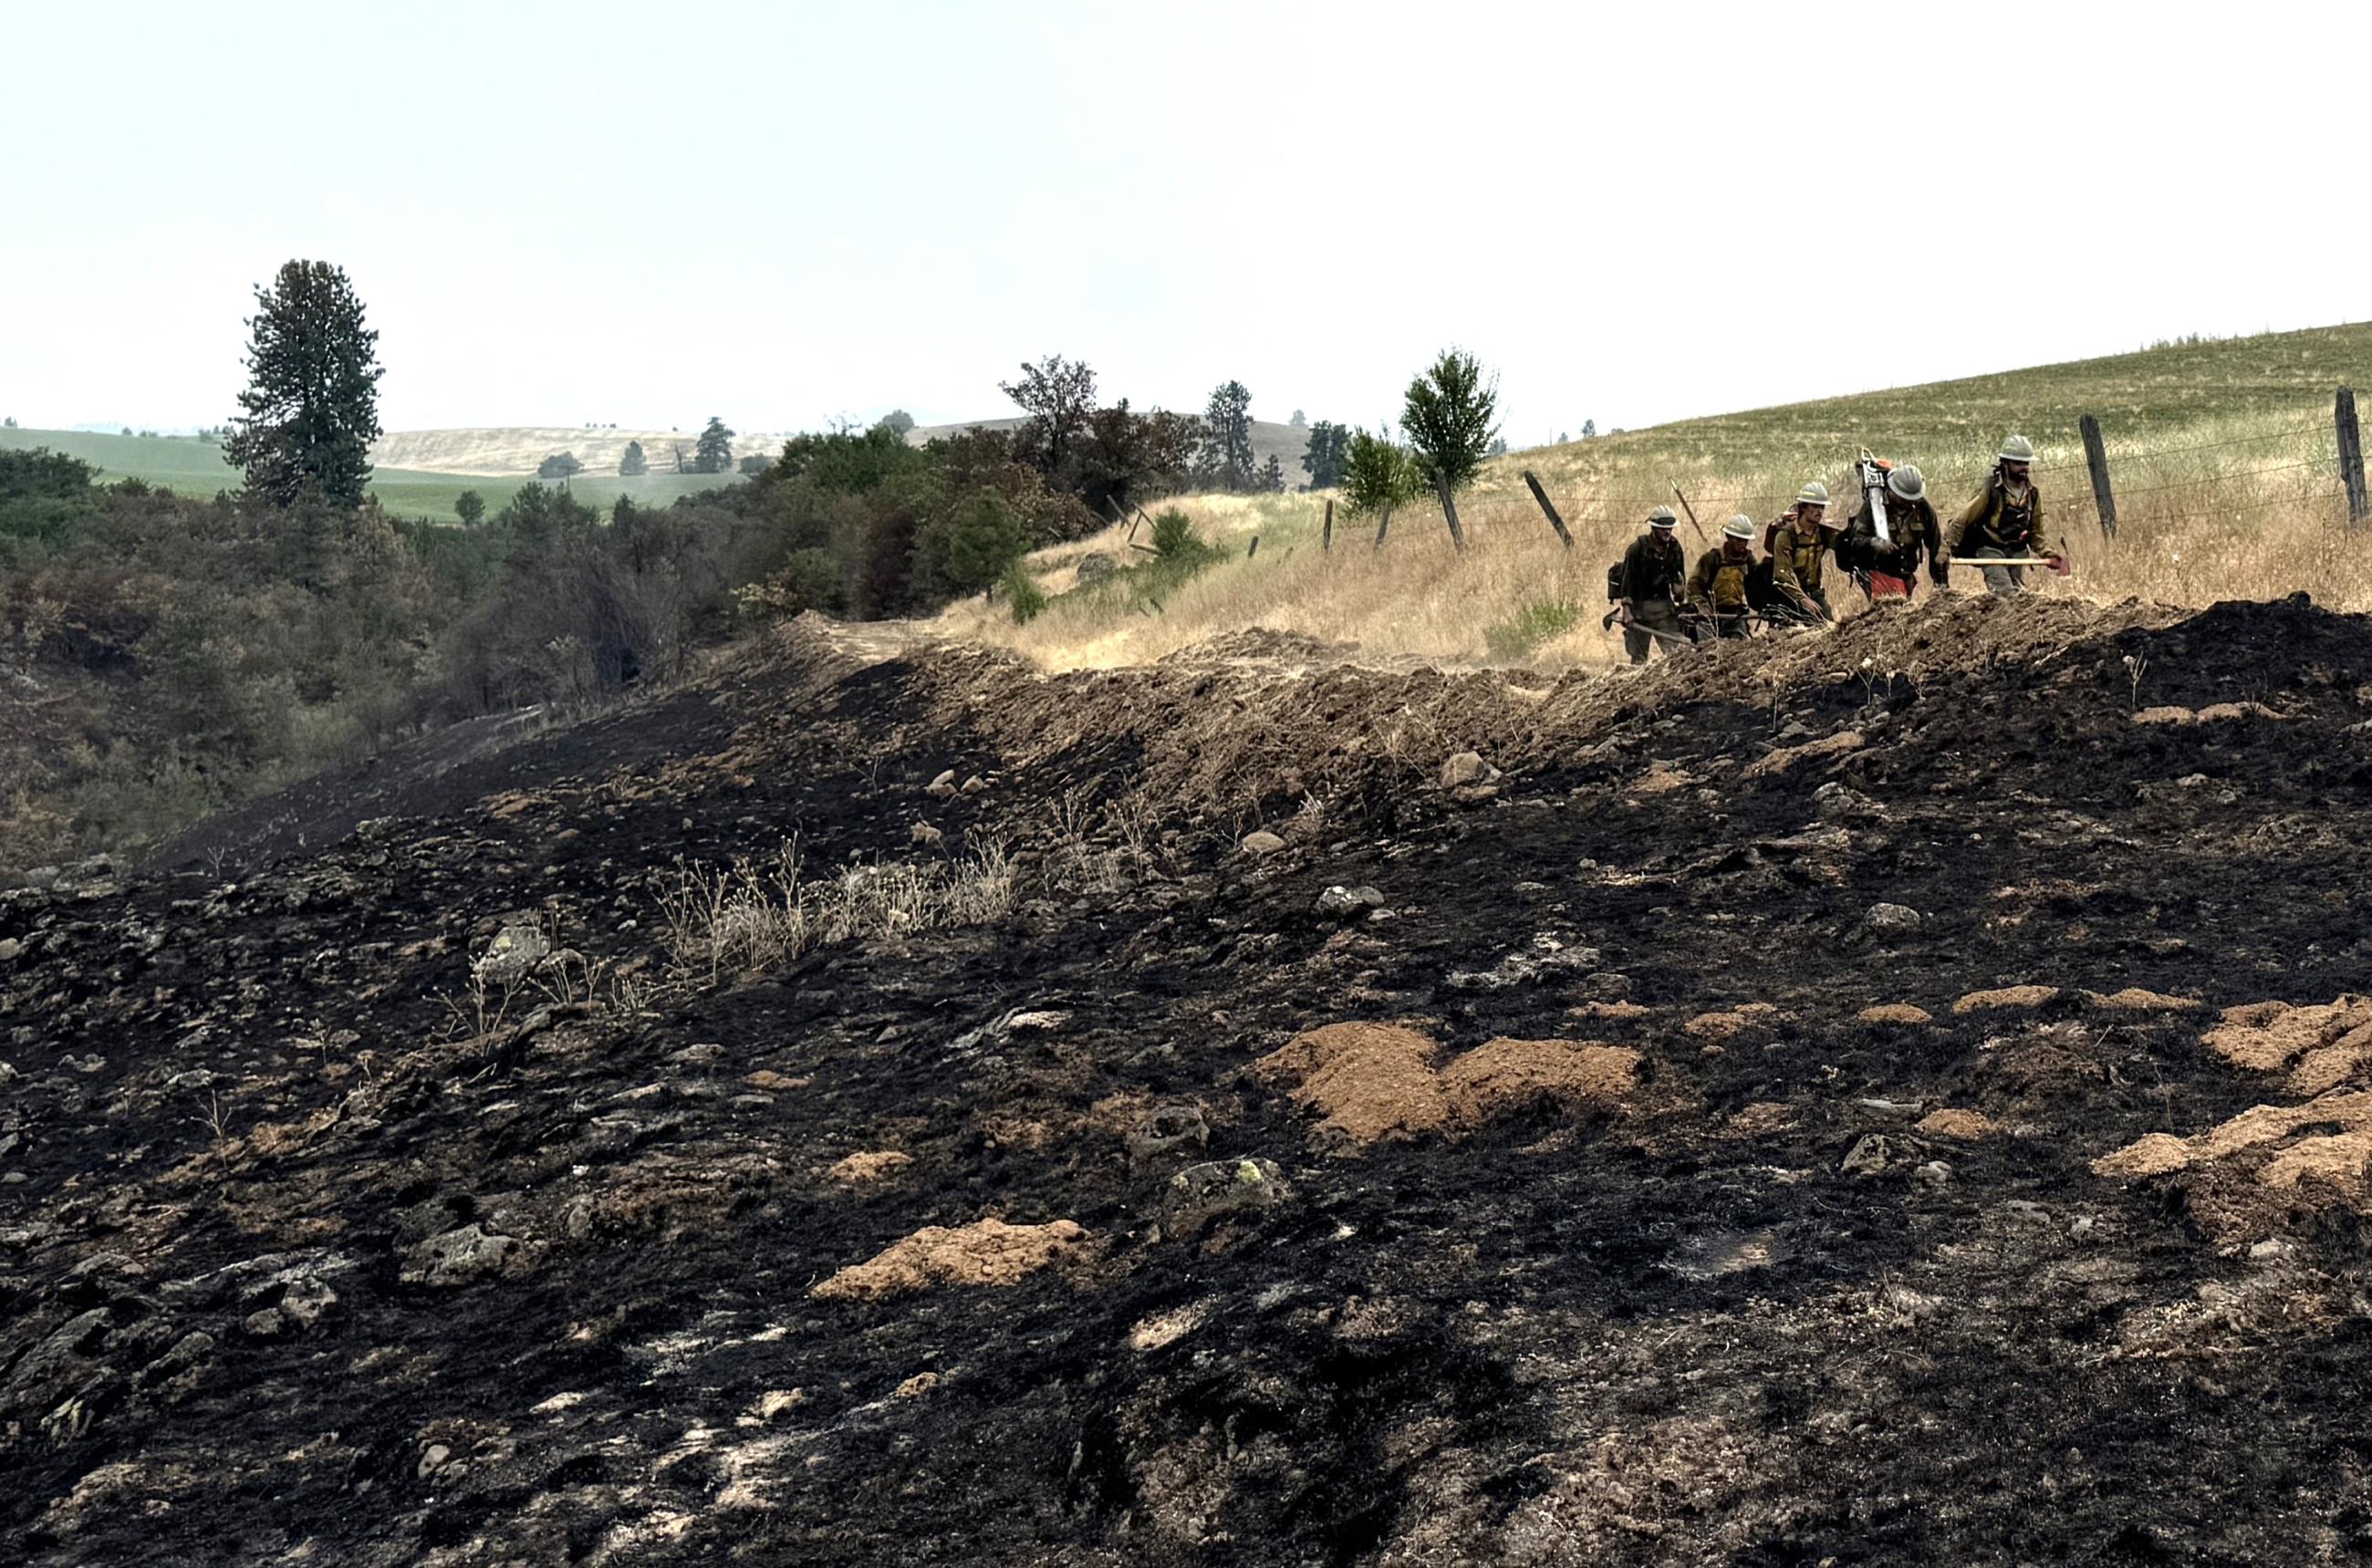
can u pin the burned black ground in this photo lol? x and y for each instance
(1675, 1330)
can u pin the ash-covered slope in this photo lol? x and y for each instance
(1779, 1108)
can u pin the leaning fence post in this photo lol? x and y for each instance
(2096, 458)
(1542, 497)
(1383, 523)
(1254, 550)
(1326, 540)
(1449, 509)
(2351, 455)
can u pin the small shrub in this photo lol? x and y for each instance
(1173, 534)
(1022, 590)
(967, 548)
(1377, 473)
(1534, 624)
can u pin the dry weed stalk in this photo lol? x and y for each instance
(756, 915)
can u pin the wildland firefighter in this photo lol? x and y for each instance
(1717, 587)
(1796, 547)
(1889, 568)
(1648, 586)
(2003, 521)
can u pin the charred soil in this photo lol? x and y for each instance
(1780, 1109)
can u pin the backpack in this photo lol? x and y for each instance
(1761, 592)
(1614, 583)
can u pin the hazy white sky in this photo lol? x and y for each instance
(786, 212)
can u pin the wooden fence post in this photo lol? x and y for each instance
(1385, 523)
(1542, 497)
(1254, 550)
(1449, 509)
(2351, 455)
(2096, 458)
(1326, 540)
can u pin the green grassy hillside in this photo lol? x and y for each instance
(193, 466)
(2272, 383)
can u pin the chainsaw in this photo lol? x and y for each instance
(1872, 474)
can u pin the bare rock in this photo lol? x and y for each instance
(1869, 1156)
(1339, 902)
(1887, 921)
(1548, 955)
(1166, 1131)
(1261, 844)
(975, 784)
(1095, 566)
(1201, 1193)
(923, 833)
(1466, 768)
(458, 1257)
(943, 787)
(56, 1365)
(1840, 804)
(514, 953)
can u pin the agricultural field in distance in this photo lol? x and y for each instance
(194, 467)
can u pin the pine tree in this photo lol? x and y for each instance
(1323, 460)
(310, 410)
(1227, 426)
(471, 508)
(634, 465)
(1272, 476)
(715, 453)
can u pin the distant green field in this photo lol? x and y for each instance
(195, 468)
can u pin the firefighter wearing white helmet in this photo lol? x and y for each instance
(1648, 585)
(2003, 520)
(1717, 586)
(1797, 544)
(1889, 568)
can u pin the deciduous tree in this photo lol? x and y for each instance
(633, 464)
(1058, 394)
(1449, 417)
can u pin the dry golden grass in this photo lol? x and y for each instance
(2223, 456)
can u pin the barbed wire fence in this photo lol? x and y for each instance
(2335, 448)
